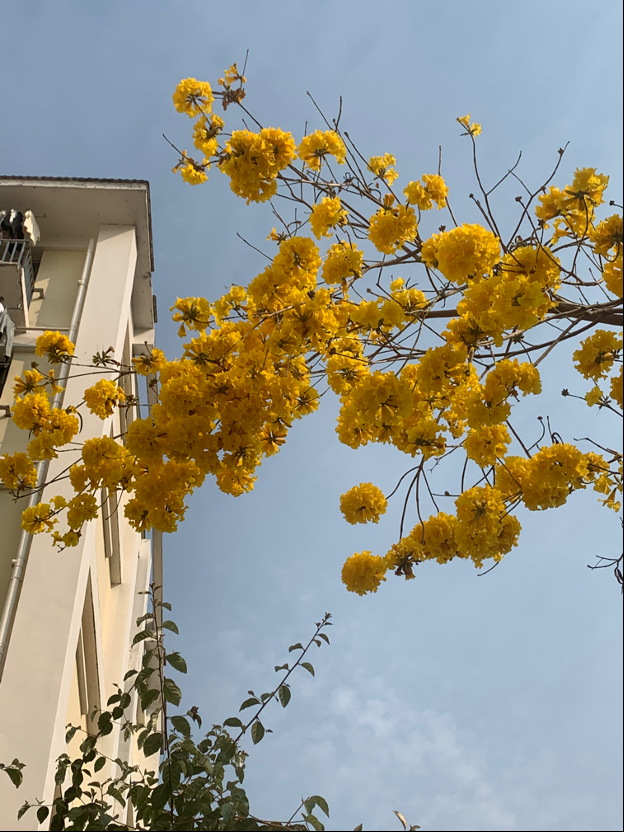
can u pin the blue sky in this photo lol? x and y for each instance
(465, 702)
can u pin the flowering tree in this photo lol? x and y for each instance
(435, 363)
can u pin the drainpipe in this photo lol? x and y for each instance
(23, 548)
(157, 571)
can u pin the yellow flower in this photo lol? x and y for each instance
(343, 261)
(205, 134)
(433, 190)
(146, 365)
(609, 234)
(194, 313)
(485, 529)
(467, 252)
(326, 215)
(383, 167)
(193, 97)
(81, 508)
(363, 573)
(17, 472)
(103, 398)
(613, 276)
(30, 382)
(438, 537)
(486, 444)
(315, 147)
(552, 204)
(417, 194)
(616, 389)
(364, 503)
(253, 160)
(55, 347)
(32, 412)
(194, 173)
(436, 188)
(391, 228)
(587, 189)
(597, 353)
(471, 129)
(594, 396)
(37, 519)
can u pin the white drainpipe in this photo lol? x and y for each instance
(23, 548)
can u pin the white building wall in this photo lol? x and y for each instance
(70, 614)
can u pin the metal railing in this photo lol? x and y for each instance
(18, 253)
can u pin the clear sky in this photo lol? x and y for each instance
(465, 702)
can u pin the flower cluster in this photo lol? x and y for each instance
(319, 318)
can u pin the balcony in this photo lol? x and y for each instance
(17, 278)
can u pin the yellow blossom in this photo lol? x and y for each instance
(17, 472)
(391, 228)
(597, 353)
(57, 348)
(193, 97)
(314, 148)
(37, 519)
(607, 235)
(383, 167)
(486, 444)
(342, 262)
(103, 398)
(364, 503)
(146, 365)
(363, 573)
(326, 215)
(467, 252)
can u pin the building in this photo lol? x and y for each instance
(68, 618)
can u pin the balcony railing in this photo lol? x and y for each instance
(18, 253)
(17, 278)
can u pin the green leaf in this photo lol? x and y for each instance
(358, 828)
(141, 636)
(249, 703)
(99, 763)
(147, 617)
(284, 695)
(23, 810)
(176, 661)
(116, 794)
(114, 698)
(104, 719)
(15, 776)
(308, 667)
(257, 732)
(279, 667)
(227, 812)
(317, 800)
(170, 625)
(42, 813)
(130, 674)
(297, 646)
(152, 744)
(148, 697)
(324, 637)
(70, 734)
(233, 722)
(172, 692)
(181, 725)
(314, 822)
(265, 696)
